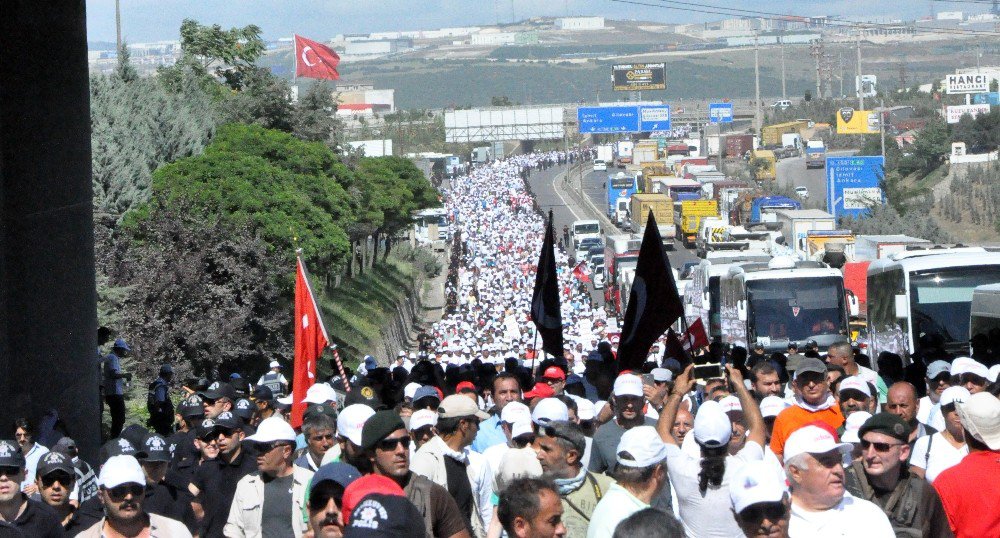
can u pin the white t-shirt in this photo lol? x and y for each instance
(942, 456)
(929, 413)
(707, 515)
(851, 517)
(616, 505)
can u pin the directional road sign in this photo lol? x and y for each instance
(853, 185)
(608, 119)
(720, 113)
(654, 118)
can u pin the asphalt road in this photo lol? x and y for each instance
(793, 173)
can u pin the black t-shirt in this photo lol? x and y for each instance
(216, 481)
(39, 520)
(459, 487)
(169, 501)
(276, 520)
(81, 521)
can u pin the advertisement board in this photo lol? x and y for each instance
(720, 112)
(967, 83)
(608, 119)
(955, 113)
(638, 77)
(850, 121)
(853, 185)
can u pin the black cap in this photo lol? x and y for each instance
(262, 394)
(810, 365)
(379, 426)
(364, 395)
(65, 445)
(219, 389)
(118, 447)
(191, 407)
(55, 461)
(10, 454)
(379, 515)
(229, 420)
(156, 448)
(320, 409)
(135, 434)
(244, 409)
(887, 423)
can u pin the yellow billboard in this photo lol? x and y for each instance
(850, 121)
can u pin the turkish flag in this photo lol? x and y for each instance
(582, 272)
(695, 337)
(310, 341)
(315, 60)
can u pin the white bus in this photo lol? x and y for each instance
(786, 301)
(923, 298)
(701, 296)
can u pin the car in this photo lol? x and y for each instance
(782, 104)
(802, 192)
(597, 250)
(600, 166)
(583, 248)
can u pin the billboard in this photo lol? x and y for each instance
(720, 112)
(866, 85)
(967, 83)
(638, 77)
(955, 113)
(850, 121)
(490, 125)
(853, 185)
(608, 119)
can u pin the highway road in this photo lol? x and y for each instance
(793, 173)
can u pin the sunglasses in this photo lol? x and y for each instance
(263, 448)
(767, 510)
(118, 493)
(64, 479)
(9, 470)
(389, 445)
(968, 377)
(879, 447)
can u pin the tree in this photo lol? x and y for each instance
(314, 117)
(125, 70)
(932, 144)
(808, 96)
(232, 53)
(885, 219)
(264, 100)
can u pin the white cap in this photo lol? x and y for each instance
(855, 382)
(980, 415)
(585, 409)
(599, 406)
(851, 426)
(712, 427)
(812, 440)
(953, 395)
(423, 417)
(120, 470)
(963, 365)
(755, 482)
(401, 353)
(273, 429)
(770, 406)
(628, 385)
(520, 427)
(644, 445)
(994, 372)
(410, 390)
(351, 420)
(274, 364)
(287, 400)
(514, 411)
(730, 403)
(320, 393)
(662, 374)
(549, 409)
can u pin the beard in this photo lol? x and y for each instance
(629, 423)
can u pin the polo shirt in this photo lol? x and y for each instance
(616, 505)
(490, 434)
(851, 517)
(795, 417)
(216, 482)
(970, 493)
(38, 520)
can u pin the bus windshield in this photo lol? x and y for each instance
(796, 308)
(714, 318)
(941, 300)
(587, 228)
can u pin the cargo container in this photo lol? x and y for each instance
(737, 146)
(771, 134)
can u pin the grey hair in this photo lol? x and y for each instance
(843, 345)
(567, 435)
(798, 461)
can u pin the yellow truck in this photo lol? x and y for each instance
(766, 171)
(663, 210)
(771, 135)
(690, 215)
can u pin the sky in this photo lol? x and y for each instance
(154, 20)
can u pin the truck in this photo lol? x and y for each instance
(645, 151)
(717, 234)
(832, 247)
(582, 229)
(621, 187)
(662, 208)
(678, 188)
(736, 146)
(765, 171)
(797, 223)
(791, 140)
(482, 154)
(815, 154)
(624, 149)
(452, 165)
(771, 134)
(606, 153)
(621, 251)
(877, 247)
(762, 208)
(689, 218)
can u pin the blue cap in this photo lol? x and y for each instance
(673, 365)
(595, 356)
(166, 369)
(235, 375)
(937, 368)
(370, 363)
(573, 379)
(121, 344)
(426, 391)
(339, 472)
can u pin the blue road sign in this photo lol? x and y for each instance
(608, 119)
(720, 112)
(852, 185)
(654, 118)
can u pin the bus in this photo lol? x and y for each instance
(920, 300)
(701, 296)
(782, 302)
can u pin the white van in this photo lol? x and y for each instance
(782, 104)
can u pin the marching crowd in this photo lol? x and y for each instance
(478, 433)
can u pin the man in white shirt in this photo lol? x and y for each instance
(821, 507)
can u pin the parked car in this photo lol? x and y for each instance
(802, 192)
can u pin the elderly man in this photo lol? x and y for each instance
(530, 508)
(760, 501)
(814, 465)
(813, 402)
(560, 446)
(902, 401)
(506, 389)
(122, 490)
(882, 477)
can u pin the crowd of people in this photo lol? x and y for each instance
(478, 433)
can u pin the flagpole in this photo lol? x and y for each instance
(322, 325)
(295, 61)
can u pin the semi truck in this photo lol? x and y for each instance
(621, 251)
(797, 223)
(662, 207)
(763, 208)
(624, 149)
(771, 134)
(767, 168)
(621, 187)
(645, 151)
(815, 154)
(690, 213)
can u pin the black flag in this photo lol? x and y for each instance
(545, 299)
(653, 303)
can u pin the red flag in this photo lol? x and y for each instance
(315, 60)
(695, 337)
(310, 341)
(582, 272)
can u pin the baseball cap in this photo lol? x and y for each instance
(812, 440)
(156, 448)
(540, 390)
(424, 417)
(855, 382)
(379, 426)
(628, 385)
(120, 470)
(191, 407)
(514, 411)
(274, 364)
(465, 386)
(381, 515)
(365, 396)
(712, 427)
(65, 445)
(585, 409)
(273, 429)
(121, 344)
(554, 372)
(244, 409)
(116, 447)
(662, 375)
(549, 409)
(226, 419)
(810, 364)
(980, 415)
(351, 421)
(731, 404)
(366, 485)
(456, 406)
(938, 368)
(965, 365)
(887, 423)
(219, 389)
(55, 461)
(755, 482)
(411, 390)
(851, 426)
(320, 409)
(320, 393)
(643, 446)
(520, 427)
(10, 454)
(426, 391)
(339, 472)
(993, 373)
(262, 394)
(770, 406)
(954, 395)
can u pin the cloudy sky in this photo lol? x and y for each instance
(151, 20)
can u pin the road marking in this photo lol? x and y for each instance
(555, 188)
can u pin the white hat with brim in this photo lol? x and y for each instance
(851, 426)
(628, 385)
(965, 365)
(423, 417)
(352, 420)
(813, 440)
(980, 415)
(273, 429)
(771, 406)
(755, 482)
(320, 393)
(549, 410)
(514, 411)
(459, 406)
(712, 427)
(120, 470)
(641, 447)
(954, 395)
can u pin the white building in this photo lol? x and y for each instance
(950, 16)
(493, 38)
(580, 23)
(386, 46)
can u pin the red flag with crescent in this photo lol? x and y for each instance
(315, 60)
(310, 341)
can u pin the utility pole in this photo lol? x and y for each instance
(857, 81)
(757, 117)
(816, 51)
(784, 93)
(881, 126)
(118, 27)
(840, 64)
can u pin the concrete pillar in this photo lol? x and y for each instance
(48, 317)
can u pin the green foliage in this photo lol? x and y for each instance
(931, 145)
(125, 70)
(980, 134)
(314, 117)
(885, 219)
(233, 53)
(263, 99)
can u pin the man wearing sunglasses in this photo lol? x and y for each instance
(214, 482)
(882, 477)
(122, 494)
(56, 479)
(33, 518)
(217, 399)
(268, 502)
(387, 446)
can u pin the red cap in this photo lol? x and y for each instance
(364, 486)
(540, 390)
(554, 372)
(465, 385)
